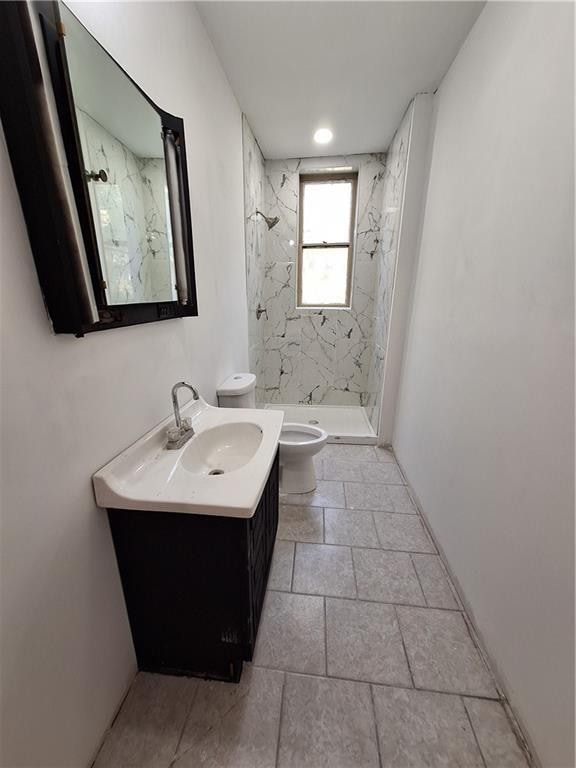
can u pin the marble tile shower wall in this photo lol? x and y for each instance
(133, 217)
(319, 356)
(393, 194)
(254, 234)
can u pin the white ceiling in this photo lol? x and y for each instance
(350, 66)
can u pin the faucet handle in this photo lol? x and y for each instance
(186, 424)
(173, 434)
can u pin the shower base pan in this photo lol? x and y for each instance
(344, 423)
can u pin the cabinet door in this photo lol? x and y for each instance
(261, 535)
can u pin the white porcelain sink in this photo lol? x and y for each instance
(241, 442)
(222, 449)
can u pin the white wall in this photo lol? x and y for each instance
(485, 422)
(69, 405)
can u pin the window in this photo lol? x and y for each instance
(327, 210)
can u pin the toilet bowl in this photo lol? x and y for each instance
(298, 444)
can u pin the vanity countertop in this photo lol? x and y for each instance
(148, 477)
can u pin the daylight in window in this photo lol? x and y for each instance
(327, 206)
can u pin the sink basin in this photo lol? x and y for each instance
(222, 470)
(222, 449)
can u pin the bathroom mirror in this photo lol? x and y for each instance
(114, 169)
(122, 151)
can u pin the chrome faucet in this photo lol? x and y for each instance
(183, 431)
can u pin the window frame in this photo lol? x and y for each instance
(327, 177)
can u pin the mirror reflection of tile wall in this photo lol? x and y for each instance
(131, 217)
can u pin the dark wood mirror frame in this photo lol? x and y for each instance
(73, 289)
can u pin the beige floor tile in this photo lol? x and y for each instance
(350, 452)
(400, 499)
(280, 576)
(418, 729)
(292, 633)
(441, 653)
(403, 532)
(328, 493)
(495, 735)
(358, 470)
(148, 727)
(327, 724)
(434, 581)
(340, 469)
(378, 497)
(355, 528)
(300, 523)
(364, 642)
(234, 726)
(388, 577)
(384, 454)
(381, 472)
(323, 569)
(367, 496)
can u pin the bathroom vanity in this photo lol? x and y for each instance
(194, 532)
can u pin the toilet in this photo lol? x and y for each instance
(299, 443)
(238, 391)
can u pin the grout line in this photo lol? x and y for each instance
(293, 569)
(453, 590)
(311, 507)
(446, 575)
(367, 482)
(474, 733)
(356, 546)
(325, 636)
(481, 653)
(280, 716)
(319, 676)
(401, 471)
(354, 573)
(523, 744)
(404, 646)
(345, 495)
(375, 724)
(186, 719)
(108, 730)
(419, 582)
(413, 512)
(377, 534)
(366, 600)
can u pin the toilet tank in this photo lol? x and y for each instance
(238, 391)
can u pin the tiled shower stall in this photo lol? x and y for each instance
(321, 357)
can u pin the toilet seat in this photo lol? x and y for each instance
(301, 434)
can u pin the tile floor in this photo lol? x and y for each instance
(364, 657)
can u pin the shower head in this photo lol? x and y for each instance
(271, 221)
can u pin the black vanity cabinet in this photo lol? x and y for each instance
(194, 585)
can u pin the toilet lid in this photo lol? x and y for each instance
(237, 384)
(298, 434)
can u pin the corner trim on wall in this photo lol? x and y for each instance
(416, 174)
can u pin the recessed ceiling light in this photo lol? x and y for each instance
(323, 136)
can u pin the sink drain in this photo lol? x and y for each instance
(216, 472)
